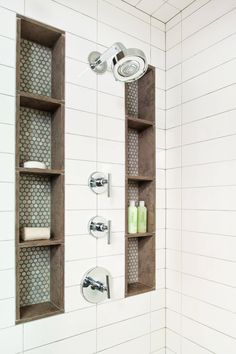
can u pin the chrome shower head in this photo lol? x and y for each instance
(127, 64)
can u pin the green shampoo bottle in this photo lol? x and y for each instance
(142, 217)
(132, 217)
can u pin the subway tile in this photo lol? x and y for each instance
(7, 197)
(157, 340)
(7, 138)
(173, 280)
(209, 35)
(215, 221)
(123, 331)
(9, 345)
(7, 23)
(7, 173)
(157, 299)
(213, 174)
(62, 17)
(173, 76)
(174, 137)
(158, 38)
(74, 299)
(160, 99)
(7, 309)
(7, 231)
(173, 56)
(173, 342)
(70, 345)
(8, 110)
(80, 247)
(173, 301)
(157, 320)
(140, 345)
(117, 218)
(7, 255)
(79, 73)
(79, 197)
(7, 277)
(211, 57)
(111, 106)
(78, 172)
(7, 51)
(81, 98)
(88, 8)
(117, 311)
(157, 58)
(59, 327)
(108, 84)
(207, 337)
(210, 81)
(111, 129)
(174, 198)
(79, 48)
(173, 178)
(190, 347)
(80, 122)
(210, 292)
(205, 15)
(173, 117)
(160, 79)
(123, 21)
(173, 321)
(74, 150)
(173, 36)
(110, 151)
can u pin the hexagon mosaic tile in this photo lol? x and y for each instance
(35, 68)
(132, 152)
(35, 201)
(133, 260)
(132, 99)
(35, 136)
(34, 275)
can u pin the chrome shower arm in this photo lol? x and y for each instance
(109, 53)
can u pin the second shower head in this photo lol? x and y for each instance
(127, 64)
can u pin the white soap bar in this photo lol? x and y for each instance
(35, 233)
(34, 164)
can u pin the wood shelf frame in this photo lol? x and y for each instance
(141, 182)
(49, 109)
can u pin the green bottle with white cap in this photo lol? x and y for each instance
(132, 217)
(142, 217)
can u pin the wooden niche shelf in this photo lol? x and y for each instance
(141, 181)
(39, 192)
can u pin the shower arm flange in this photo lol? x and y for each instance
(98, 61)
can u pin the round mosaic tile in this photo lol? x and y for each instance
(132, 152)
(132, 98)
(133, 260)
(35, 68)
(34, 275)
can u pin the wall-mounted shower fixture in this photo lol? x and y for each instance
(128, 64)
(95, 285)
(99, 227)
(99, 183)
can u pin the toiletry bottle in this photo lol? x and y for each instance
(132, 217)
(142, 217)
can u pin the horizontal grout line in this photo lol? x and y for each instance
(95, 137)
(203, 324)
(198, 277)
(201, 96)
(201, 187)
(201, 51)
(200, 300)
(197, 344)
(200, 209)
(200, 119)
(182, 251)
(202, 28)
(202, 232)
(199, 164)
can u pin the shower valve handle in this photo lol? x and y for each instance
(98, 182)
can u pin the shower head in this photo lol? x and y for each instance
(127, 64)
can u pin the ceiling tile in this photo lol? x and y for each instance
(132, 2)
(150, 6)
(165, 12)
(180, 4)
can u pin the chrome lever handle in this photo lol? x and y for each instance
(109, 185)
(108, 287)
(109, 232)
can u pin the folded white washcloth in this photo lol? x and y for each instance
(35, 233)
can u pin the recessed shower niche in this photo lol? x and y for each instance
(140, 180)
(39, 191)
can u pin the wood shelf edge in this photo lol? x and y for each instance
(141, 178)
(146, 234)
(40, 171)
(39, 243)
(138, 288)
(38, 311)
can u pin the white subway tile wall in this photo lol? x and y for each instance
(94, 141)
(200, 179)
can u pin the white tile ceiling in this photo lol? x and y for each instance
(163, 10)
